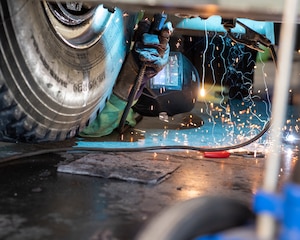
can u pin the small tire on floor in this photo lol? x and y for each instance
(196, 217)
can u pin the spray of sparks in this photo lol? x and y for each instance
(236, 113)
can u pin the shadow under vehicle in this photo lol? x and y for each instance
(59, 60)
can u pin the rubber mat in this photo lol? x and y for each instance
(137, 168)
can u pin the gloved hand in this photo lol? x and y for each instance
(151, 49)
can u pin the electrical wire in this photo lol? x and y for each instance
(139, 149)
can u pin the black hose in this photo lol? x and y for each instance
(273, 54)
(140, 149)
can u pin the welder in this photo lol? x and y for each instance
(149, 53)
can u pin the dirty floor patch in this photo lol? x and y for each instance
(119, 166)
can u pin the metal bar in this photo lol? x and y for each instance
(266, 224)
(267, 10)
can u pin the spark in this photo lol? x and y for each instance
(202, 92)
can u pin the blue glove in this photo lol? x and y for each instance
(151, 49)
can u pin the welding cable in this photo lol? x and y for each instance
(139, 149)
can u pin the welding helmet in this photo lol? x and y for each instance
(173, 90)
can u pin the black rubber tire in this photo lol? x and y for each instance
(49, 89)
(196, 217)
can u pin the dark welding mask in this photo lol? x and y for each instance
(173, 90)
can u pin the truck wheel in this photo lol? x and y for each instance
(58, 64)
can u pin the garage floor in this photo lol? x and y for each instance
(37, 202)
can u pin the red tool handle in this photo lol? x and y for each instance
(219, 154)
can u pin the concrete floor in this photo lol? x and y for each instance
(37, 202)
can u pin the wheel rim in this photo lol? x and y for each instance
(77, 24)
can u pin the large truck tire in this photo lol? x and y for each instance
(58, 64)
